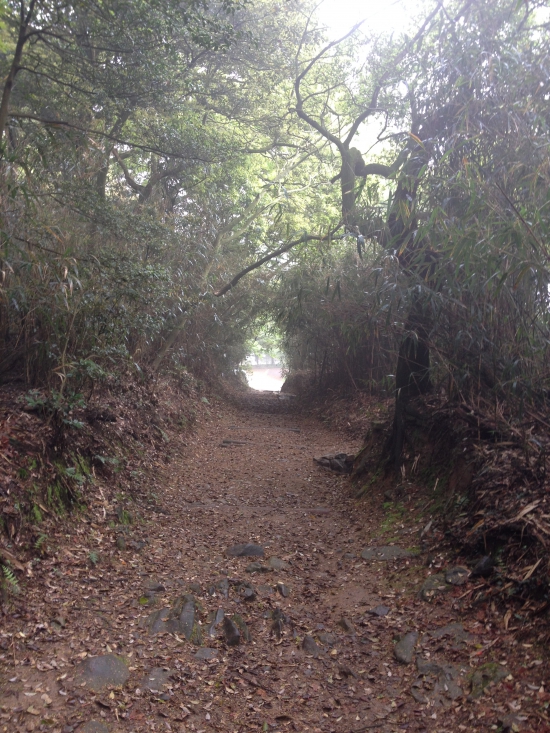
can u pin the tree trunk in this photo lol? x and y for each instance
(24, 22)
(412, 377)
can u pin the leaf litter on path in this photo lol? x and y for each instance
(318, 653)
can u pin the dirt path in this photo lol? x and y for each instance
(322, 621)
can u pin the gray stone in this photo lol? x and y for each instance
(339, 462)
(155, 623)
(379, 611)
(153, 586)
(404, 649)
(418, 696)
(248, 594)
(389, 552)
(148, 599)
(484, 676)
(231, 632)
(310, 646)
(277, 564)
(213, 620)
(222, 586)
(187, 617)
(484, 567)
(265, 590)
(433, 585)
(245, 550)
(138, 545)
(346, 625)
(257, 567)
(94, 726)
(455, 631)
(97, 673)
(283, 589)
(180, 619)
(442, 678)
(242, 626)
(206, 654)
(457, 575)
(326, 638)
(155, 679)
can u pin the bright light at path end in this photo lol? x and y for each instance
(381, 16)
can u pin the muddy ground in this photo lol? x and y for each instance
(145, 620)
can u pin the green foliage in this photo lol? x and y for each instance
(93, 558)
(36, 514)
(129, 202)
(155, 178)
(9, 581)
(124, 517)
(40, 543)
(56, 405)
(466, 240)
(66, 490)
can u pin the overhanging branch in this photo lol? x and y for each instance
(285, 248)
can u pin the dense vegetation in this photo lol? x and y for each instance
(153, 152)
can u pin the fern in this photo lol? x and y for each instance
(10, 580)
(93, 557)
(40, 542)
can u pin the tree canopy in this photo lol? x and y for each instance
(174, 173)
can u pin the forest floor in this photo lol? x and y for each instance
(333, 621)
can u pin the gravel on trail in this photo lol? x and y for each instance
(245, 601)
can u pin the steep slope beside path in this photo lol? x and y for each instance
(178, 632)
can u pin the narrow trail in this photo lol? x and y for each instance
(316, 623)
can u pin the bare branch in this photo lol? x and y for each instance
(299, 99)
(400, 56)
(285, 248)
(137, 187)
(63, 124)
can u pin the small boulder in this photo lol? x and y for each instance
(231, 632)
(97, 673)
(94, 726)
(276, 563)
(379, 611)
(346, 625)
(488, 674)
(245, 550)
(404, 649)
(310, 647)
(187, 616)
(257, 567)
(433, 585)
(206, 654)
(483, 568)
(457, 575)
(213, 620)
(155, 679)
(283, 589)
